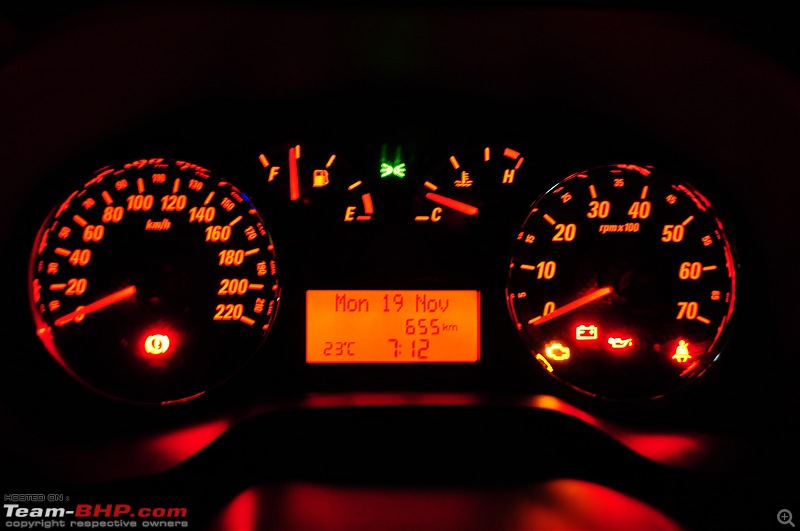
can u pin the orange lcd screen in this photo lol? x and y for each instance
(405, 326)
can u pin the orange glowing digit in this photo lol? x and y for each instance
(233, 286)
(112, 214)
(690, 270)
(228, 312)
(170, 203)
(687, 310)
(598, 209)
(80, 257)
(639, 209)
(140, 202)
(565, 233)
(546, 270)
(203, 214)
(672, 233)
(218, 233)
(231, 257)
(93, 233)
(76, 286)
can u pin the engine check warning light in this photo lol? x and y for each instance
(586, 332)
(556, 351)
(682, 352)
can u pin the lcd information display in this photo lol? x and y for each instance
(397, 326)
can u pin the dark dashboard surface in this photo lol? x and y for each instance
(401, 98)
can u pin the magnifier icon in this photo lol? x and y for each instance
(785, 517)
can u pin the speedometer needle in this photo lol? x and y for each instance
(82, 311)
(577, 303)
(452, 203)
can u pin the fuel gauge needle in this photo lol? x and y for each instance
(294, 181)
(577, 303)
(82, 311)
(464, 208)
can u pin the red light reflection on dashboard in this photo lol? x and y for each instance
(179, 445)
(553, 504)
(674, 449)
(132, 458)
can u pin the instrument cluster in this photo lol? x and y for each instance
(157, 279)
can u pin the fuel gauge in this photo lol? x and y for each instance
(311, 175)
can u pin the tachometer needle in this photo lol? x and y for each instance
(452, 203)
(577, 303)
(81, 311)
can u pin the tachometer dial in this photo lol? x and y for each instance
(622, 282)
(153, 282)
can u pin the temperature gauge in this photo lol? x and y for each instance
(459, 187)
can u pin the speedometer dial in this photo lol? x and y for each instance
(622, 282)
(154, 281)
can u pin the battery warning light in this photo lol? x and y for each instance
(156, 344)
(585, 332)
(682, 352)
(556, 351)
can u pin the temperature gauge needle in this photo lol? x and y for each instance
(464, 208)
(577, 303)
(82, 311)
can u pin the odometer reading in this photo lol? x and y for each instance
(154, 281)
(622, 282)
(405, 326)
